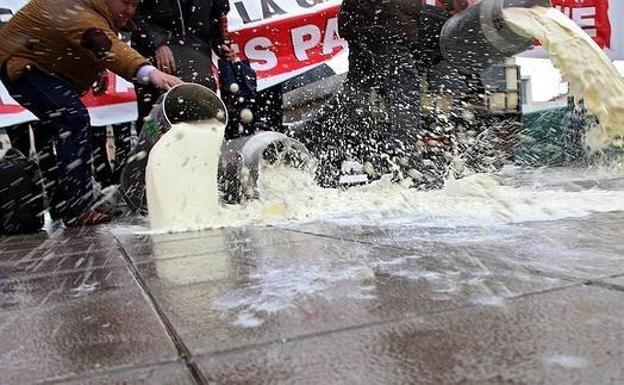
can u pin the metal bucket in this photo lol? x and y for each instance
(479, 36)
(242, 160)
(183, 103)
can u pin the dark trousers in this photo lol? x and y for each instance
(103, 172)
(268, 112)
(391, 71)
(63, 122)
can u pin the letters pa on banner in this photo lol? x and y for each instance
(284, 38)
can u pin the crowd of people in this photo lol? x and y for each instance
(53, 52)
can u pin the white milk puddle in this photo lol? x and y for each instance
(276, 290)
(290, 196)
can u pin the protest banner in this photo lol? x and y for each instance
(285, 38)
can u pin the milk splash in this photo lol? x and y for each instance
(591, 75)
(181, 175)
(289, 195)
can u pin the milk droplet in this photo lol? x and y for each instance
(246, 115)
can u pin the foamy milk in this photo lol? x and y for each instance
(591, 75)
(181, 175)
(182, 169)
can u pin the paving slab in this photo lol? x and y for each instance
(149, 247)
(568, 336)
(169, 374)
(17, 292)
(320, 285)
(61, 264)
(574, 247)
(94, 334)
(352, 301)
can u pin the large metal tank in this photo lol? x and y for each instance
(478, 37)
(241, 158)
(182, 103)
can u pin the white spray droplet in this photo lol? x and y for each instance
(246, 115)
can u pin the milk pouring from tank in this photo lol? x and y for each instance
(181, 175)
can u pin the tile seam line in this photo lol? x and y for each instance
(395, 320)
(183, 351)
(546, 273)
(198, 237)
(113, 370)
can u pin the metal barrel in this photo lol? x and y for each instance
(242, 160)
(183, 103)
(479, 36)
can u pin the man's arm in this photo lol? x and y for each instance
(95, 35)
(218, 24)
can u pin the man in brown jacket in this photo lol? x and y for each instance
(51, 52)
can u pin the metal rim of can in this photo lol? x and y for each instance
(204, 88)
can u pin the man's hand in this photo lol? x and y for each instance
(227, 52)
(165, 60)
(162, 80)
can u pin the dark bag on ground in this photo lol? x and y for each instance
(237, 83)
(21, 194)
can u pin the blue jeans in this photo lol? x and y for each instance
(64, 120)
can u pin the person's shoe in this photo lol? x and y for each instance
(89, 218)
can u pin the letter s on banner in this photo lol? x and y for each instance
(258, 50)
(283, 48)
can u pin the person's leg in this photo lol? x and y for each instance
(44, 144)
(19, 137)
(102, 171)
(400, 87)
(147, 96)
(62, 115)
(123, 147)
(268, 112)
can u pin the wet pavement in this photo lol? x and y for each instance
(319, 303)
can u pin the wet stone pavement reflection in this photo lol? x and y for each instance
(318, 303)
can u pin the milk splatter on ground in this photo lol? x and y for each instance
(289, 196)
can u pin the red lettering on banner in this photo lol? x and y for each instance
(298, 42)
(591, 15)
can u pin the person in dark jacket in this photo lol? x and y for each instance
(375, 119)
(178, 35)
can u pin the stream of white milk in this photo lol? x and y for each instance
(590, 73)
(181, 175)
